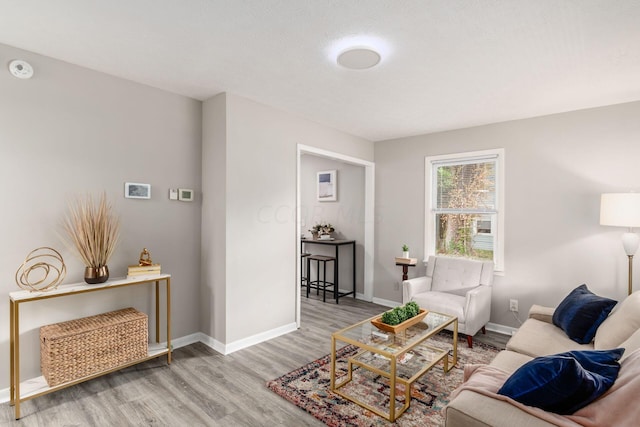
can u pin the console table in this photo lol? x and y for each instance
(336, 243)
(20, 392)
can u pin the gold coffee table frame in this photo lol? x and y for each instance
(19, 392)
(386, 354)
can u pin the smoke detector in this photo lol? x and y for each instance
(21, 69)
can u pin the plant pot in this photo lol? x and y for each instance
(405, 254)
(95, 275)
(377, 322)
(314, 235)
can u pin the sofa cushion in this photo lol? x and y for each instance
(623, 321)
(537, 338)
(631, 344)
(509, 361)
(580, 314)
(474, 409)
(565, 382)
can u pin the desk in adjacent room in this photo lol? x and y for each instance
(336, 243)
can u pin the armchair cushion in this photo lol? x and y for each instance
(443, 302)
(415, 286)
(455, 274)
(580, 314)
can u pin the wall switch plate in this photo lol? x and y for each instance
(173, 194)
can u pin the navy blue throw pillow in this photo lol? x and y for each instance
(580, 314)
(565, 382)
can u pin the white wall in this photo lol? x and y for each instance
(260, 213)
(70, 131)
(556, 168)
(214, 224)
(346, 214)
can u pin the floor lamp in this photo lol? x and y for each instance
(623, 210)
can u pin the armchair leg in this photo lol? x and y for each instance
(469, 341)
(484, 331)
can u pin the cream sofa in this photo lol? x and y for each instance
(539, 337)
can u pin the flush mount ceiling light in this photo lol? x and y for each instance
(21, 69)
(358, 52)
(359, 58)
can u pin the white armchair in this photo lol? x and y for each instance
(456, 286)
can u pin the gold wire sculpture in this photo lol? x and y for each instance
(145, 258)
(34, 265)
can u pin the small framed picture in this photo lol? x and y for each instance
(135, 190)
(327, 186)
(185, 194)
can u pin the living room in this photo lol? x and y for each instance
(75, 129)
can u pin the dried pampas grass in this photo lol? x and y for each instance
(93, 229)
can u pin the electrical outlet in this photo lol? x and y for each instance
(513, 305)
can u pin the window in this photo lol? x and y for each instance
(464, 202)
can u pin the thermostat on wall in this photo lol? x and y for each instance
(185, 194)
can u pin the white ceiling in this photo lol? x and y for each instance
(446, 63)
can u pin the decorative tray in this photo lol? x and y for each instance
(377, 322)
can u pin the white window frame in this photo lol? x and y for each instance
(429, 212)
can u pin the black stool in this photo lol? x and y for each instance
(316, 284)
(303, 275)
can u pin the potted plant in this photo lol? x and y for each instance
(93, 230)
(322, 229)
(405, 251)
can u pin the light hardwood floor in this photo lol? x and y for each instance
(202, 387)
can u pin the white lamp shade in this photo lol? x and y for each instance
(620, 209)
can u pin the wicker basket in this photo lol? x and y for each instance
(82, 347)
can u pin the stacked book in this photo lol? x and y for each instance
(143, 270)
(408, 261)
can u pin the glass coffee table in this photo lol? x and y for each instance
(402, 358)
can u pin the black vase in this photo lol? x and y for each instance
(95, 275)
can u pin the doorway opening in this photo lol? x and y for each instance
(304, 220)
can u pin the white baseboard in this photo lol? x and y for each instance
(249, 341)
(186, 340)
(386, 302)
(501, 329)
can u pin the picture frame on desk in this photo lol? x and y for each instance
(135, 190)
(327, 186)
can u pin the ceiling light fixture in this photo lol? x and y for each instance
(21, 69)
(359, 58)
(359, 52)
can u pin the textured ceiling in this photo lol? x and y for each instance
(447, 64)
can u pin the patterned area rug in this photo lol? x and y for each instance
(309, 388)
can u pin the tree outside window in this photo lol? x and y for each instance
(462, 205)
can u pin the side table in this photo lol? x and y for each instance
(409, 262)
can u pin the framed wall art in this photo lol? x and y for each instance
(135, 190)
(327, 184)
